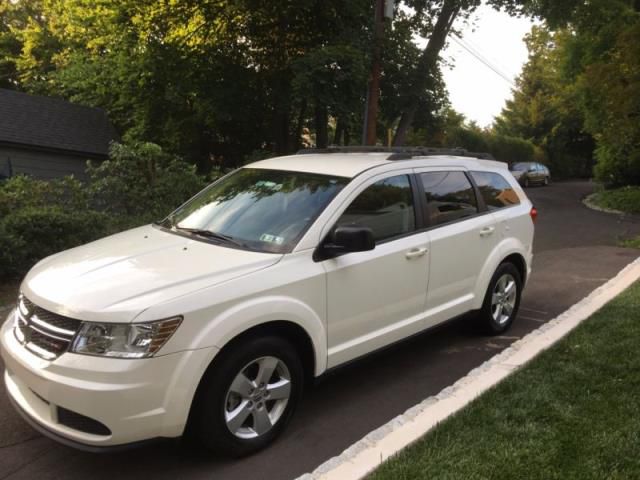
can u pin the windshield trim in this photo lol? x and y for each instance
(167, 225)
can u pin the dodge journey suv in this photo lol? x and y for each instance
(212, 320)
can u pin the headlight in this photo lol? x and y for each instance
(124, 340)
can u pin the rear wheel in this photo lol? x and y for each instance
(502, 299)
(248, 396)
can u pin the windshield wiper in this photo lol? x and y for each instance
(211, 234)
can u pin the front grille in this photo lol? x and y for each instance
(44, 333)
(81, 423)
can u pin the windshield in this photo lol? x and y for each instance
(520, 167)
(265, 210)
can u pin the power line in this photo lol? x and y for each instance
(478, 56)
(477, 51)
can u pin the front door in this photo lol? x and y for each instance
(377, 297)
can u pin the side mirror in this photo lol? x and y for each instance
(346, 239)
(354, 239)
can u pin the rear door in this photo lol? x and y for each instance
(462, 235)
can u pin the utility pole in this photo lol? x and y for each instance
(373, 92)
(383, 10)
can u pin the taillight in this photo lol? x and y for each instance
(534, 214)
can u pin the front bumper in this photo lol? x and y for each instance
(136, 400)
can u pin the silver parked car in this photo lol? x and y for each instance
(530, 173)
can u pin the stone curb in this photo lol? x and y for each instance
(589, 203)
(367, 454)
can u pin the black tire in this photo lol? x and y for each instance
(208, 422)
(486, 316)
(525, 184)
(546, 181)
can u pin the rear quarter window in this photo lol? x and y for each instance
(495, 190)
(449, 196)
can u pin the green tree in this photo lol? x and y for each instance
(545, 108)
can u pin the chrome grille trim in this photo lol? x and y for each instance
(52, 328)
(42, 332)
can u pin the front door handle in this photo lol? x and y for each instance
(486, 231)
(416, 252)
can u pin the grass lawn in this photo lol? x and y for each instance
(572, 413)
(625, 199)
(631, 243)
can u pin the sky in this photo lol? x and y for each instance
(474, 89)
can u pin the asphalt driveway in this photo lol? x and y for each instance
(575, 252)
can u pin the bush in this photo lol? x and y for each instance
(511, 149)
(625, 199)
(616, 166)
(503, 147)
(22, 191)
(140, 180)
(32, 233)
(138, 184)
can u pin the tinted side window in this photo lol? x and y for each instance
(450, 196)
(386, 207)
(495, 190)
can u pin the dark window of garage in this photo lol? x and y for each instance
(450, 196)
(386, 207)
(495, 190)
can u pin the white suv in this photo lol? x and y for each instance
(212, 320)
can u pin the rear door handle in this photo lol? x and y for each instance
(486, 231)
(416, 252)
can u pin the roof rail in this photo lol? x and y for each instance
(399, 153)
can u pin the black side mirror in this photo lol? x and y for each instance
(346, 239)
(354, 239)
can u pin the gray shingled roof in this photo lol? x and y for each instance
(53, 123)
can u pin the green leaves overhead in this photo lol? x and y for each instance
(579, 94)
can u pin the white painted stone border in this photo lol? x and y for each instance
(367, 454)
(589, 203)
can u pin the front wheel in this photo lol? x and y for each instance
(249, 396)
(525, 184)
(546, 181)
(502, 299)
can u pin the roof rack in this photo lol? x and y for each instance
(399, 153)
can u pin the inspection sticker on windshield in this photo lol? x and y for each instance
(265, 237)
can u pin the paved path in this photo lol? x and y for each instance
(575, 251)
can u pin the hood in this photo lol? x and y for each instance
(517, 173)
(114, 279)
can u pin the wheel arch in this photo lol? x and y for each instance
(507, 253)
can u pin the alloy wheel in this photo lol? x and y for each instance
(257, 397)
(503, 299)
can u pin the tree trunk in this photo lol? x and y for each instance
(299, 125)
(347, 136)
(321, 121)
(428, 61)
(281, 136)
(337, 137)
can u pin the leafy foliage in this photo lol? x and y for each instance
(625, 199)
(32, 233)
(140, 183)
(216, 81)
(140, 180)
(453, 131)
(579, 94)
(545, 109)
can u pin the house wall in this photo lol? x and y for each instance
(41, 164)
